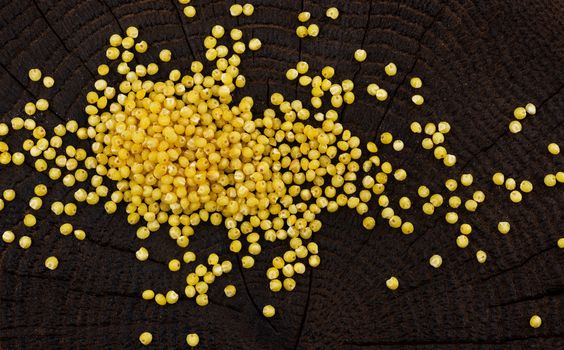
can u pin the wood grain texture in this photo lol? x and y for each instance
(478, 60)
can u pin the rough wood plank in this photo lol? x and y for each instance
(478, 60)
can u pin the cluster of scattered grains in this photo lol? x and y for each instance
(237, 10)
(550, 180)
(41, 104)
(198, 282)
(417, 83)
(521, 113)
(515, 194)
(374, 90)
(180, 152)
(437, 200)
(340, 94)
(376, 185)
(38, 146)
(311, 30)
(436, 137)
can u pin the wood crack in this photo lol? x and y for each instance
(506, 131)
(299, 52)
(59, 37)
(249, 293)
(103, 2)
(550, 293)
(419, 45)
(355, 74)
(520, 264)
(505, 340)
(22, 85)
(177, 11)
(306, 308)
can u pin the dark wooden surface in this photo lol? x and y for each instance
(478, 60)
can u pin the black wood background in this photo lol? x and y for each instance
(478, 61)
